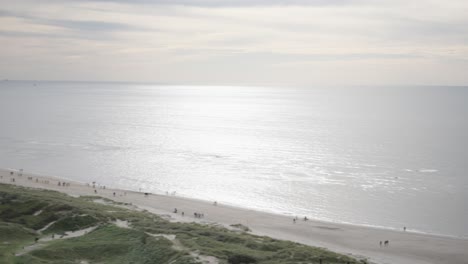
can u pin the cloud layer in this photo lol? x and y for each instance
(237, 42)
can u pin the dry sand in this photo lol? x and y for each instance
(404, 248)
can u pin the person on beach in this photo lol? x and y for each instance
(215, 203)
(386, 243)
(198, 215)
(404, 228)
(113, 194)
(183, 213)
(305, 218)
(175, 210)
(380, 243)
(294, 220)
(95, 191)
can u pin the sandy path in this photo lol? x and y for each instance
(42, 242)
(404, 248)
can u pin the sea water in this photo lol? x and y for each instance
(379, 156)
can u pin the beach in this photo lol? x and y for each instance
(404, 247)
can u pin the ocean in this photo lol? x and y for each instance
(377, 156)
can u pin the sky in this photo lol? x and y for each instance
(236, 42)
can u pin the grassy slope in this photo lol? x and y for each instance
(111, 244)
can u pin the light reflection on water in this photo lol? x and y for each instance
(388, 157)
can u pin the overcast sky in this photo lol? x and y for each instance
(259, 42)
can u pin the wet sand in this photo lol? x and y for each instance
(404, 247)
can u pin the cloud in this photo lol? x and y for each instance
(98, 26)
(235, 3)
(80, 25)
(165, 40)
(7, 33)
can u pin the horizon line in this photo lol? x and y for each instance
(232, 85)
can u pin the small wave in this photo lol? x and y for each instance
(214, 156)
(298, 174)
(427, 170)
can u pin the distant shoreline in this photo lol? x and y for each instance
(228, 84)
(405, 247)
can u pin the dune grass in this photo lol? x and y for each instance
(24, 211)
(109, 244)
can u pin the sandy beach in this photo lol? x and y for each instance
(404, 247)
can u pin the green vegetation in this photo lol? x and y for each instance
(148, 239)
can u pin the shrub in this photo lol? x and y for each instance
(241, 259)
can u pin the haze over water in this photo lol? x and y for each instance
(380, 156)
